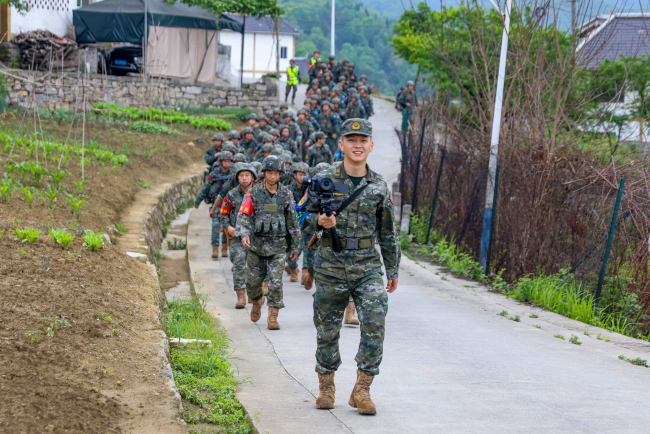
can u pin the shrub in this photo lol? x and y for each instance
(30, 235)
(93, 241)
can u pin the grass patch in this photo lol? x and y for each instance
(152, 128)
(204, 376)
(638, 361)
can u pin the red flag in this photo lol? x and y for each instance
(247, 205)
(226, 206)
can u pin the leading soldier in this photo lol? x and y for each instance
(268, 227)
(356, 269)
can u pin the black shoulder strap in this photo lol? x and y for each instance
(351, 198)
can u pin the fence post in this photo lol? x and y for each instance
(601, 279)
(406, 218)
(486, 271)
(417, 169)
(435, 194)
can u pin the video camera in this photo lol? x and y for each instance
(323, 190)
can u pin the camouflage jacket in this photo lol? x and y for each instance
(319, 154)
(307, 128)
(367, 104)
(230, 207)
(211, 189)
(269, 221)
(295, 132)
(369, 217)
(342, 114)
(211, 155)
(249, 147)
(258, 131)
(356, 110)
(329, 123)
(406, 97)
(297, 191)
(288, 145)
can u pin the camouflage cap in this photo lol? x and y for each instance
(325, 89)
(300, 167)
(230, 147)
(217, 136)
(345, 60)
(356, 126)
(287, 154)
(225, 155)
(320, 135)
(277, 111)
(274, 132)
(302, 111)
(331, 57)
(336, 101)
(245, 167)
(267, 147)
(283, 127)
(277, 151)
(315, 81)
(247, 130)
(268, 113)
(239, 157)
(272, 162)
(256, 165)
(410, 83)
(362, 76)
(287, 114)
(262, 119)
(284, 105)
(252, 116)
(266, 138)
(233, 134)
(318, 168)
(351, 65)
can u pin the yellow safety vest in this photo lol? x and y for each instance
(292, 75)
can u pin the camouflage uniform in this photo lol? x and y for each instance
(258, 131)
(228, 214)
(356, 110)
(208, 194)
(366, 101)
(408, 96)
(330, 125)
(269, 221)
(319, 154)
(355, 272)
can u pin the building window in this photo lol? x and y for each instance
(283, 52)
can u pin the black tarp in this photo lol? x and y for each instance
(123, 20)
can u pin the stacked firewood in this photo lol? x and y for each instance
(42, 50)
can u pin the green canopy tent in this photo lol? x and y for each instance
(181, 40)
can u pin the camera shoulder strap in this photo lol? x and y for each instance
(351, 198)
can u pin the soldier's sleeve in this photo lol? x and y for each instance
(388, 240)
(371, 106)
(202, 194)
(293, 229)
(337, 126)
(245, 222)
(309, 224)
(298, 135)
(225, 211)
(210, 158)
(316, 125)
(330, 157)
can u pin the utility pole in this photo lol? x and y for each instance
(332, 45)
(145, 41)
(494, 142)
(277, 38)
(241, 61)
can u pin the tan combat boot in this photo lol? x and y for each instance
(351, 314)
(309, 280)
(294, 275)
(303, 276)
(265, 287)
(286, 268)
(360, 398)
(327, 389)
(256, 310)
(272, 319)
(224, 250)
(215, 251)
(241, 298)
(250, 301)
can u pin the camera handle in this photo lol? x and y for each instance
(336, 244)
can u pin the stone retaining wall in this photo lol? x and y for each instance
(64, 91)
(180, 193)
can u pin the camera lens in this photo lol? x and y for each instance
(327, 185)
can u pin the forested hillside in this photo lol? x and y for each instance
(361, 36)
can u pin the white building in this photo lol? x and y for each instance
(259, 48)
(52, 15)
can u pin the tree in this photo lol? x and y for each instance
(22, 6)
(255, 8)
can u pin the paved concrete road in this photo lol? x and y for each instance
(451, 363)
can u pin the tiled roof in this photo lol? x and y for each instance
(618, 35)
(264, 25)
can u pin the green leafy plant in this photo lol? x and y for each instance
(53, 323)
(28, 195)
(27, 234)
(75, 204)
(559, 337)
(32, 334)
(638, 361)
(532, 315)
(152, 128)
(36, 170)
(515, 318)
(58, 175)
(61, 237)
(574, 340)
(143, 184)
(600, 337)
(121, 228)
(22, 252)
(50, 195)
(504, 313)
(586, 333)
(93, 241)
(537, 326)
(176, 244)
(7, 187)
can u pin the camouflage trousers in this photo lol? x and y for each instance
(330, 300)
(216, 229)
(238, 255)
(259, 267)
(307, 254)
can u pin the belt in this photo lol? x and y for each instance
(350, 243)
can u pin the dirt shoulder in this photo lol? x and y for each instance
(79, 331)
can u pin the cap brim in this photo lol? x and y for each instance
(349, 133)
